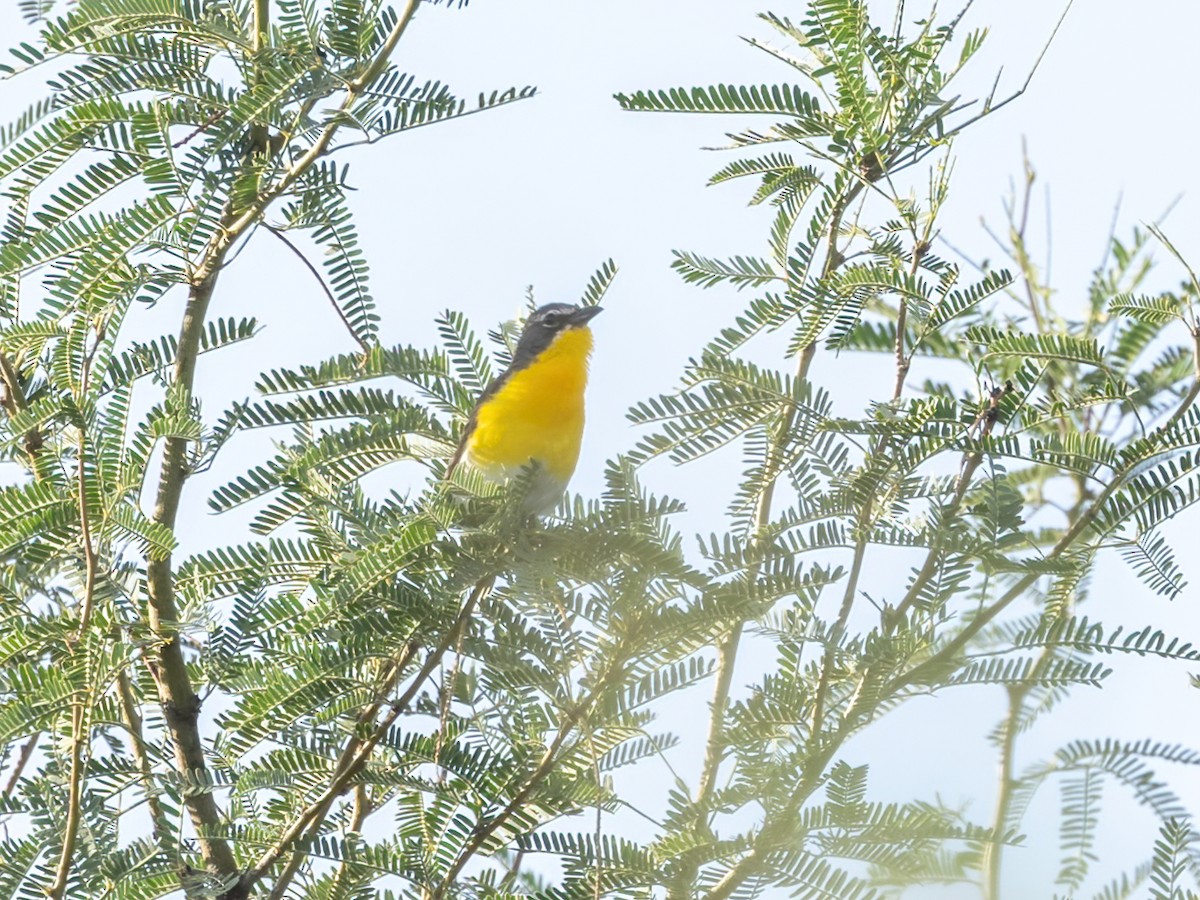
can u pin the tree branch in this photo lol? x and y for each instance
(181, 704)
(80, 708)
(903, 362)
(972, 628)
(481, 835)
(727, 649)
(137, 742)
(22, 762)
(992, 850)
(14, 401)
(354, 756)
(321, 145)
(180, 701)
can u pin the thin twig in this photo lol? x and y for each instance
(1020, 252)
(993, 851)
(514, 870)
(598, 837)
(989, 107)
(971, 461)
(446, 696)
(90, 559)
(1186, 401)
(354, 756)
(22, 762)
(133, 723)
(933, 558)
(80, 730)
(1190, 318)
(727, 649)
(781, 829)
(321, 281)
(349, 763)
(180, 702)
(903, 362)
(14, 401)
(860, 549)
(376, 138)
(199, 129)
(363, 807)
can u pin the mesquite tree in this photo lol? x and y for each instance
(424, 692)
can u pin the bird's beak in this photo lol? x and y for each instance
(584, 314)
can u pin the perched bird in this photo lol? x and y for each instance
(531, 416)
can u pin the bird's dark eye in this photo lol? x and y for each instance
(551, 319)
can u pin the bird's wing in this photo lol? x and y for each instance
(459, 451)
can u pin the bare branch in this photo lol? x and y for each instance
(321, 281)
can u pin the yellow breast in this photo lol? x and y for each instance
(537, 414)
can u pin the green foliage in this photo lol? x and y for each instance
(1078, 438)
(1167, 866)
(423, 690)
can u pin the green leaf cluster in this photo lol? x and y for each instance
(389, 681)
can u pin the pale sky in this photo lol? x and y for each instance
(466, 215)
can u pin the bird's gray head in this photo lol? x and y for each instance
(545, 324)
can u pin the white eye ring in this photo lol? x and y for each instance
(550, 319)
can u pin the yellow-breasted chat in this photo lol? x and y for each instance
(530, 418)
